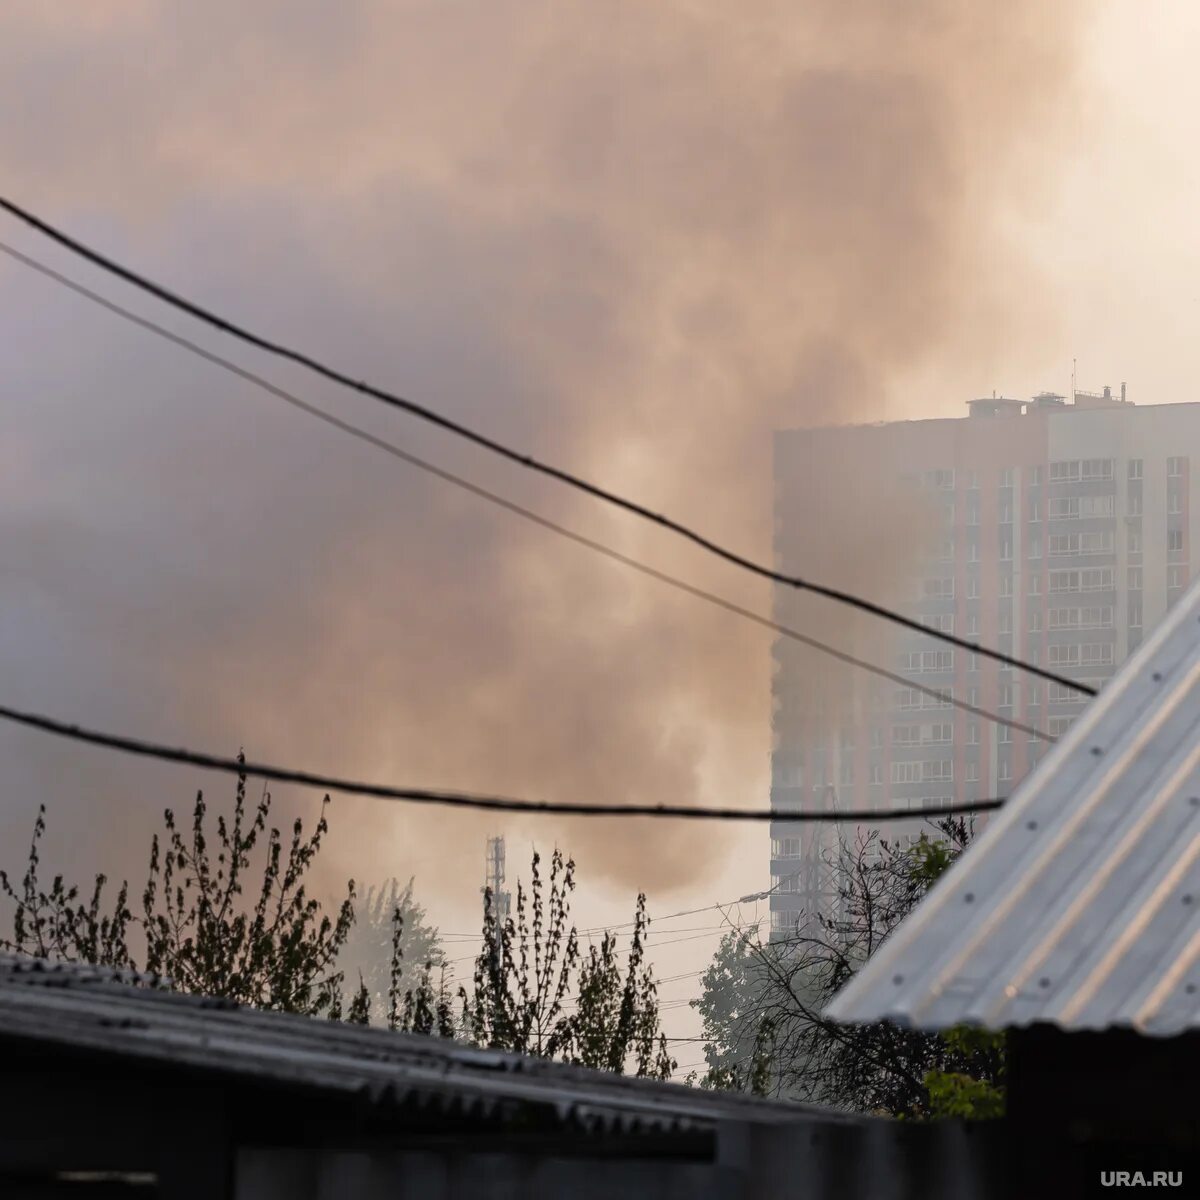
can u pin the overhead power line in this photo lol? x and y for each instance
(519, 457)
(647, 946)
(395, 451)
(329, 783)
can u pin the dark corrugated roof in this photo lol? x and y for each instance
(85, 1008)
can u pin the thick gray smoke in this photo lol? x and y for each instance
(633, 238)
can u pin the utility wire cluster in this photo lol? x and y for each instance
(143, 748)
(496, 447)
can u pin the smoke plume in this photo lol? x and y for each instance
(633, 238)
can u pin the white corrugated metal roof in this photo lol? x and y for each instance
(1079, 905)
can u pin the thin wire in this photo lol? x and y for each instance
(517, 509)
(444, 799)
(499, 448)
(648, 945)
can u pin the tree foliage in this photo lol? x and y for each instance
(529, 968)
(226, 912)
(389, 946)
(763, 1003)
(208, 924)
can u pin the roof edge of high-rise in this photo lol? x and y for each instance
(1045, 402)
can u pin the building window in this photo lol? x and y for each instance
(1034, 510)
(1134, 504)
(972, 772)
(1174, 541)
(783, 922)
(1057, 726)
(1135, 539)
(1035, 546)
(1135, 579)
(906, 772)
(1135, 468)
(939, 769)
(972, 587)
(1034, 699)
(942, 480)
(972, 624)
(1006, 477)
(940, 622)
(1005, 514)
(1035, 584)
(1135, 614)
(1035, 621)
(1061, 694)
(911, 698)
(1174, 502)
(1035, 475)
(933, 662)
(1006, 585)
(875, 775)
(1175, 467)
(1005, 771)
(846, 774)
(1067, 545)
(788, 847)
(1003, 734)
(1006, 695)
(1006, 549)
(1176, 577)
(1071, 508)
(876, 737)
(1098, 616)
(973, 733)
(938, 589)
(1095, 579)
(1088, 468)
(1006, 619)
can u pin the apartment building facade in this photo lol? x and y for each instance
(1067, 529)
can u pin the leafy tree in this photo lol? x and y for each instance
(525, 973)
(737, 1035)
(766, 1000)
(390, 930)
(199, 929)
(227, 913)
(616, 1018)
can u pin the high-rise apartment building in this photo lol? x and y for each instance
(1066, 531)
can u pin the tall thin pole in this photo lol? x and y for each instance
(495, 884)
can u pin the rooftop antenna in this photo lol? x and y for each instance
(1073, 381)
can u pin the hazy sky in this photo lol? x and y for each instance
(632, 238)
